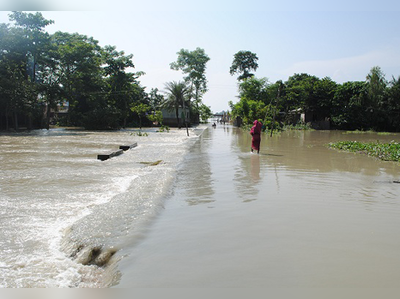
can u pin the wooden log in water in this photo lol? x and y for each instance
(127, 147)
(104, 157)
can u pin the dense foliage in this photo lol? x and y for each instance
(193, 65)
(177, 96)
(43, 74)
(244, 62)
(385, 151)
(373, 104)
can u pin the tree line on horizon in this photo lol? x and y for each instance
(373, 104)
(41, 73)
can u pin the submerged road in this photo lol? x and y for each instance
(296, 215)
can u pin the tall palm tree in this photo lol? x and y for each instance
(177, 94)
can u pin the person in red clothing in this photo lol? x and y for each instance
(256, 133)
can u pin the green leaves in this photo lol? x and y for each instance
(243, 63)
(254, 89)
(384, 151)
(38, 70)
(140, 109)
(30, 21)
(193, 65)
(205, 112)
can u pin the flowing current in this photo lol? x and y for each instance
(64, 213)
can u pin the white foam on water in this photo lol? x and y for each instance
(56, 198)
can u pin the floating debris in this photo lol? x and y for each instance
(152, 163)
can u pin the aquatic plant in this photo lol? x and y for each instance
(384, 151)
(367, 132)
(164, 129)
(140, 134)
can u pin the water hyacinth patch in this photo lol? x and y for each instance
(384, 151)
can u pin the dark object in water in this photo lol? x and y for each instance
(94, 255)
(127, 147)
(122, 148)
(108, 156)
(397, 182)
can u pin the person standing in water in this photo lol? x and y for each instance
(256, 133)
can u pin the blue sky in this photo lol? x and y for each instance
(342, 40)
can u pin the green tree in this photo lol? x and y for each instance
(322, 97)
(254, 96)
(37, 40)
(12, 73)
(376, 85)
(243, 63)
(155, 99)
(81, 75)
(205, 112)
(300, 92)
(50, 90)
(119, 81)
(348, 107)
(177, 94)
(140, 109)
(249, 110)
(156, 117)
(24, 49)
(376, 88)
(193, 65)
(393, 103)
(255, 89)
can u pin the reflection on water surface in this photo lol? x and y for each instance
(297, 215)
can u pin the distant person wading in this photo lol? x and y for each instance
(256, 133)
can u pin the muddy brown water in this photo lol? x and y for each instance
(297, 215)
(197, 211)
(61, 206)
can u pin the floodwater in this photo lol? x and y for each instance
(61, 207)
(197, 211)
(297, 215)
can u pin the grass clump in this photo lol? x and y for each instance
(140, 134)
(384, 151)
